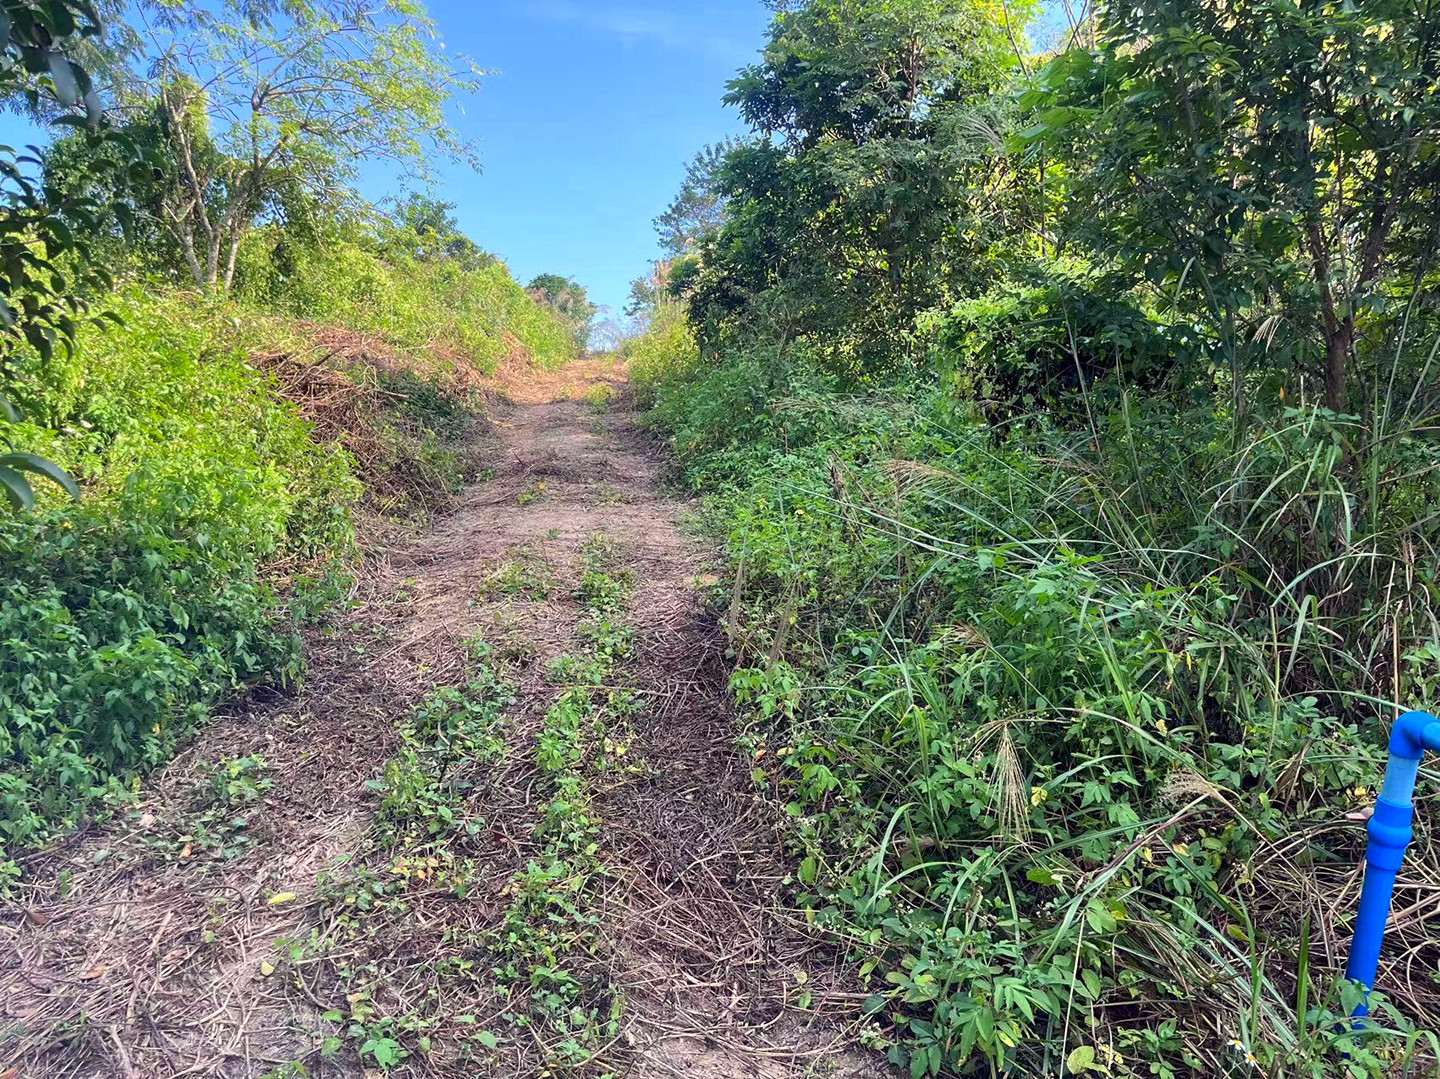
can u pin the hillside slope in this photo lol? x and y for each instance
(233, 462)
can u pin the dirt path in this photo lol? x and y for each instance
(324, 885)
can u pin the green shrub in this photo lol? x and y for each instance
(168, 405)
(121, 628)
(127, 617)
(1041, 335)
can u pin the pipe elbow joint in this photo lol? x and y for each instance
(1390, 833)
(1413, 734)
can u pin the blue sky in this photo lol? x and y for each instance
(585, 127)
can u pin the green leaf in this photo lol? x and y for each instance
(386, 1051)
(60, 233)
(1081, 1059)
(488, 1040)
(29, 462)
(1042, 876)
(16, 489)
(808, 870)
(1100, 919)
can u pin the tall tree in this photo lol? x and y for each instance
(428, 230)
(1267, 162)
(698, 209)
(254, 98)
(853, 201)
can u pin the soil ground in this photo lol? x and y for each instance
(166, 944)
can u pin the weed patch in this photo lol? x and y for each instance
(428, 822)
(553, 943)
(533, 492)
(531, 976)
(455, 736)
(526, 574)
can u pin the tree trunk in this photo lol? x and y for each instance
(194, 211)
(212, 258)
(1339, 336)
(230, 264)
(1339, 330)
(235, 231)
(187, 247)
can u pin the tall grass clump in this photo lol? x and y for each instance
(1074, 724)
(664, 356)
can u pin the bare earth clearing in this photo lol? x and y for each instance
(159, 946)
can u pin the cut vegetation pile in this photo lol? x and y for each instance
(408, 433)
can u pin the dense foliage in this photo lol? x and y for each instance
(396, 289)
(42, 303)
(125, 617)
(1069, 421)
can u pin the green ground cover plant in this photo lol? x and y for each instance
(553, 946)
(545, 956)
(1049, 732)
(430, 803)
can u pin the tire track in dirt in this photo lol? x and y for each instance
(136, 949)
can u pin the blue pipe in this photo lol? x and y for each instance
(1390, 834)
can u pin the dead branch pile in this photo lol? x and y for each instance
(341, 404)
(338, 389)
